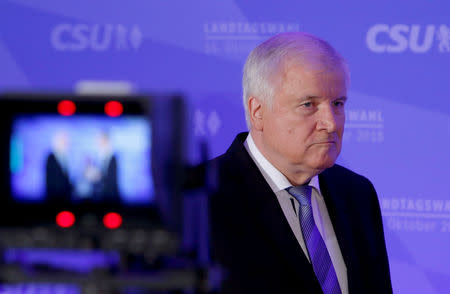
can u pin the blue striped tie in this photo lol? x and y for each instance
(318, 253)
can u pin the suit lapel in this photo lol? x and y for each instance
(336, 199)
(275, 225)
(268, 216)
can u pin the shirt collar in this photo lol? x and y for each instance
(279, 180)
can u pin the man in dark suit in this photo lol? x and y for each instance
(58, 185)
(106, 189)
(284, 217)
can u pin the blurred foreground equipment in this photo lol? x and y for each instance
(69, 161)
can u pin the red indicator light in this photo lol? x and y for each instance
(65, 219)
(66, 107)
(112, 220)
(113, 108)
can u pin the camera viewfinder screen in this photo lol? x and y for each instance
(83, 158)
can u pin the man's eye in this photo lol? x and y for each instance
(307, 104)
(338, 103)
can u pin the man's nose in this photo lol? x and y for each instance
(327, 119)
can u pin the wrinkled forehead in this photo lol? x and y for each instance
(323, 70)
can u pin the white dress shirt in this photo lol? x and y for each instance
(290, 206)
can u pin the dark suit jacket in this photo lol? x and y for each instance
(58, 186)
(107, 188)
(254, 244)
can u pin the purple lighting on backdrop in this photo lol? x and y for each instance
(398, 117)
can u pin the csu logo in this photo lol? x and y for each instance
(95, 37)
(382, 38)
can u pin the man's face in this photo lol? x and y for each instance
(302, 130)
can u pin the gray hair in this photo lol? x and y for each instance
(265, 63)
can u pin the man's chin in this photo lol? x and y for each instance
(323, 165)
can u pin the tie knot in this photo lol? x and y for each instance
(301, 193)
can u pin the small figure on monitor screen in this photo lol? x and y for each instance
(100, 174)
(58, 185)
(106, 187)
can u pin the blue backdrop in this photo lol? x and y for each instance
(398, 116)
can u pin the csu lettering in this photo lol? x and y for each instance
(96, 37)
(398, 38)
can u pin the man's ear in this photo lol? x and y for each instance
(255, 111)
